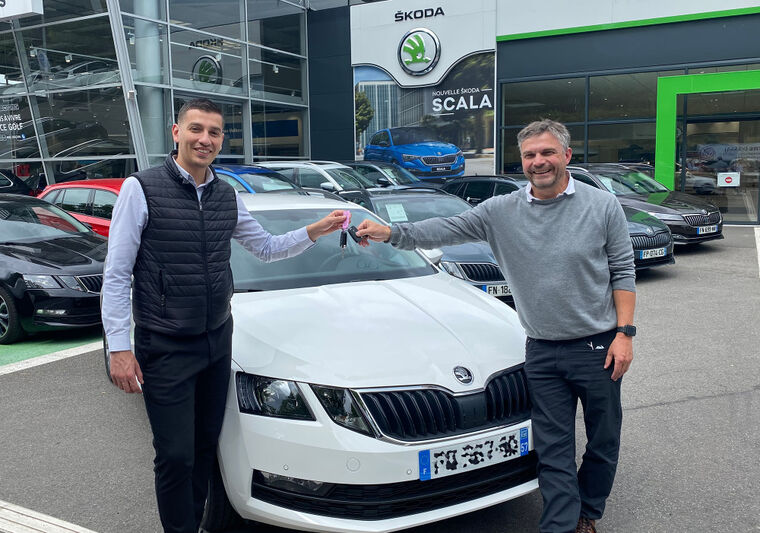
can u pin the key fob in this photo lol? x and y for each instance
(352, 231)
(343, 239)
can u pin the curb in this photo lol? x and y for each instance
(15, 519)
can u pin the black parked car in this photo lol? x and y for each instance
(475, 189)
(651, 239)
(473, 262)
(51, 268)
(690, 219)
(384, 174)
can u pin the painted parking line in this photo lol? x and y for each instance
(50, 358)
(757, 248)
(15, 519)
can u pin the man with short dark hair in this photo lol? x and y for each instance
(566, 254)
(170, 232)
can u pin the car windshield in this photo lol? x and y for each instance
(400, 176)
(401, 208)
(622, 182)
(26, 222)
(266, 181)
(325, 262)
(348, 179)
(412, 135)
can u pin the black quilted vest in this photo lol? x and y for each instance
(182, 276)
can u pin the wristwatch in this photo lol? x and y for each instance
(628, 330)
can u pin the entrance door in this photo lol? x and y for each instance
(722, 164)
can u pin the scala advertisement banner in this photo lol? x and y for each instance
(424, 89)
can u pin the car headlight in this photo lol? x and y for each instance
(39, 281)
(667, 216)
(270, 397)
(459, 154)
(453, 268)
(340, 405)
(71, 283)
(409, 157)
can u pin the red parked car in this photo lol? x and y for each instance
(89, 201)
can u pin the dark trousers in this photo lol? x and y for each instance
(185, 391)
(559, 373)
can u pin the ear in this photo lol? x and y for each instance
(568, 155)
(175, 132)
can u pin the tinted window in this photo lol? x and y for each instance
(102, 204)
(5, 182)
(453, 188)
(24, 222)
(348, 179)
(232, 181)
(584, 179)
(310, 178)
(413, 135)
(478, 191)
(416, 208)
(504, 188)
(76, 201)
(375, 138)
(266, 181)
(53, 196)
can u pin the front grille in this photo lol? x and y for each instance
(391, 500)
(92, 283)
(482, 272)
(439, 160)
(423, 414)
(645, 242)
(703, 220)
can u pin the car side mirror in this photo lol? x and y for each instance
(384, 182)
(434, 255)
(327, 186)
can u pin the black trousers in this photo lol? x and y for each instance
(185, 391)
(559, 374)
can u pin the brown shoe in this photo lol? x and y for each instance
(585, 525)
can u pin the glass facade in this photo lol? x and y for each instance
(76, 103)
(612, 118)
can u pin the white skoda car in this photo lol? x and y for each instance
(369, 391)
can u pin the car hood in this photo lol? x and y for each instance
(642, 223)
(667, 202)
(400, 332)
(427, 148)
(80, 254)
(469, 252)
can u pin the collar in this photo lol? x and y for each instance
(570, 189)
(186, 175)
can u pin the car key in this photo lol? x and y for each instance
(352, 231)
(344, 227)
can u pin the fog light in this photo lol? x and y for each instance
(51, 312)
(291, 484)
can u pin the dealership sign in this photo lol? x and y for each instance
(419, 51)
(11, 9)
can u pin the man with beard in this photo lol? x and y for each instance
(566, 254)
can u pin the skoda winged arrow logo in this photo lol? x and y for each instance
(463, 375)
(419, 51)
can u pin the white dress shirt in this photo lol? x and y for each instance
(130, 215)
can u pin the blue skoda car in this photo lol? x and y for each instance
(416, 150)
(253, 178)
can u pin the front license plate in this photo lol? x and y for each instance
(440, 169)
(649, 254)
(707, 229)
(450, 460)
(497, 290)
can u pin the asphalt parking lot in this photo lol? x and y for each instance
(74, 447)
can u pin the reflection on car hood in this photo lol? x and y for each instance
(377, 334)
(428, 148)
(79, 252)
(469, 252)
(642, 223)
(667, 202)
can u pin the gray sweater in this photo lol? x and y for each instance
(562, 258)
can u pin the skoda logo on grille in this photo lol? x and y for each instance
(463, 375)
(650, 231)
(704, 211)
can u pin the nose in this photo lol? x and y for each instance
(204, 138)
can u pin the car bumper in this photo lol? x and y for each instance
(684, 233)
(376, 486)
(43, 310)
(641, 262)
(427, 172)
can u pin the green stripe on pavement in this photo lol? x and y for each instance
(47, 343)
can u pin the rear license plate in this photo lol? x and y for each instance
(649, 254)
(707, 229)
(449, 460)
(497, 290)
(440, 169)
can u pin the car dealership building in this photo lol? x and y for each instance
(90, 87)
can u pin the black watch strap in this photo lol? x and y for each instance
(628, 330)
